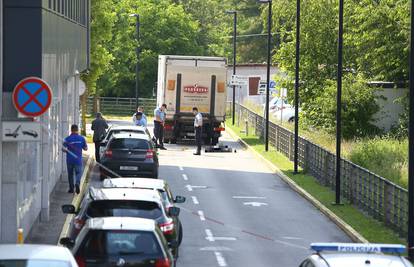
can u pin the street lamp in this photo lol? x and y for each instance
(296, 152)
(234, 59)
(269, 35)
(339, 105)
(137, 66)
(411, 146)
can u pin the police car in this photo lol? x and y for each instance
(356, 255)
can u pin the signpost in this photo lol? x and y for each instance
(18, 131)
(239, 80)
(32, 97)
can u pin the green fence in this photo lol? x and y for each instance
(117, 106)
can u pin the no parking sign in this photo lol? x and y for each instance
(32, 97)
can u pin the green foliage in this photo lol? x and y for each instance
(385, 157)
(358, 108)
(375, 47)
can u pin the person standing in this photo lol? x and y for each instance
(140, 120)
(73, 146)
(159, 120)
(99, 126)
(198, 128)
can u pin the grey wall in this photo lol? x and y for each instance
(38, 42)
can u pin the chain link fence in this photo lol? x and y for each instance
(370, 193)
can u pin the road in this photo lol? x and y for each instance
(237, 212)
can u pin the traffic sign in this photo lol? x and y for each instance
(18, 131)
(32, 97)
(239, 80)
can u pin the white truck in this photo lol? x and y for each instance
(185, 82)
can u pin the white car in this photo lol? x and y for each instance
(35, 256)
(281, 110)
(356, 255)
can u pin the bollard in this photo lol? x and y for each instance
(20, 237)
(246, 124)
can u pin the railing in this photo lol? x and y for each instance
(121, 106)
(370, 193)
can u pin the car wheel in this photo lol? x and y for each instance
(180, 234)
(291, 120)
(155, 175)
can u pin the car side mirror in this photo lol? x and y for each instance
(173, 244)
(103, 144)
(67, 242)
(68, 209)
(179, 199)
(174, 211)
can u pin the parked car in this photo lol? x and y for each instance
(280, 109)
(116, 129)
(129, 154)
(121, 241)
(150, 184)
(125, 202)
(35, 256)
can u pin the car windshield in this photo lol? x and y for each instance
(124, 208)
(33, 263)
(119, 242)
(130, 143)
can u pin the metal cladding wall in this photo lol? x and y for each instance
(47, 39)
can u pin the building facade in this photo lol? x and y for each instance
(47, 39)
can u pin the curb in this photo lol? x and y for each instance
(78, 198)
(351, 232)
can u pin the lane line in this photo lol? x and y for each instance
(189, 188)
(181, 168)
(195, 200)
(185, 177)
(220, 259)
(209, 235)
(201, 214)
(247, 197)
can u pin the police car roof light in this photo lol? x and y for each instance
(358, 248)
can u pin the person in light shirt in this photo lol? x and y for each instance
(198, 128)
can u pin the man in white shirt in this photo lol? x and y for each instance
(198, 128)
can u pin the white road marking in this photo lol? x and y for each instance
(189, 187)
(255, 204)
(195, 200)
(247, 197)
(211, 238)
(201, 214)
(185, 177)
(292, 238)
(181, 168)
(220, 259)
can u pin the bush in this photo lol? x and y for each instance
(383, 156)
(358, 107)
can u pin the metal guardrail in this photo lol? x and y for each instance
(121, 106)
(369, 192)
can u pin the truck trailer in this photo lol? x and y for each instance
(185, 82)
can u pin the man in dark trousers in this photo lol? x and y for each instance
(159, 120)
(73, 146)
(198, 128)
(99, 127)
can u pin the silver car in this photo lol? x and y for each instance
(35, 256)
(356, 255)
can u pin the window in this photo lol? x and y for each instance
(34, 263)
(129, 143)
(124, 208)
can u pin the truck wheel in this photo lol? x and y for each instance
(173, 141)
(214, 141)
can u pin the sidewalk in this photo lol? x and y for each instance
(49, 232)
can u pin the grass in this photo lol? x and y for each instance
(373, 230)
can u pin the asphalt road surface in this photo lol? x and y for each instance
(237, 212)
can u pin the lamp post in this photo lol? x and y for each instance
(296, 150)
(411, 146)
(269, 35)
(234, 60)
(339, 105)
(137, 52)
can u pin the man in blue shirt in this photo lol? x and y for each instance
(159, 120)
(140, 120)
(73, 145)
